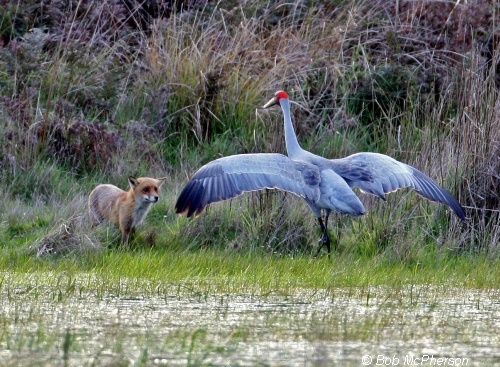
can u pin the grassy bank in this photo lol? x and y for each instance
(91, 94)
(209, 273)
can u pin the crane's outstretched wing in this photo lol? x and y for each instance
(379, 174)
(230, 176)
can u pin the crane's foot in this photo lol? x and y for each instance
(323, 241)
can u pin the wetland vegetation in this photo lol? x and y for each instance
(209, 308)
(95, 91)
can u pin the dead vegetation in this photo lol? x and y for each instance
(67, 236)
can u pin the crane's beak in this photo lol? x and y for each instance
(272, 102)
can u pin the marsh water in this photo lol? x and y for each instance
(180, 326)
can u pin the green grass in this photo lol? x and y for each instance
(248, 272)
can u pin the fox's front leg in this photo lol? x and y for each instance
(126, 229)
(125, 236)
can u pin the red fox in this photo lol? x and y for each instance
(126, 209)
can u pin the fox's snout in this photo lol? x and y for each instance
(150, 199)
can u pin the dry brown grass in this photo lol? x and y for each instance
(67, 236)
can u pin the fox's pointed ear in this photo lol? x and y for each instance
(132, 181)
(161, 181)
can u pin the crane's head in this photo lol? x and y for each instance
(278, 96)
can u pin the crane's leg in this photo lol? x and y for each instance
(325, 239)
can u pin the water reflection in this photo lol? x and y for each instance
(307, 328)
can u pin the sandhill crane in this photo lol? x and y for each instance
(325, 184)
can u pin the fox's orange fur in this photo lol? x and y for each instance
(126, 209)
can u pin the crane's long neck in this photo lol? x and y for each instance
(292, 145)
